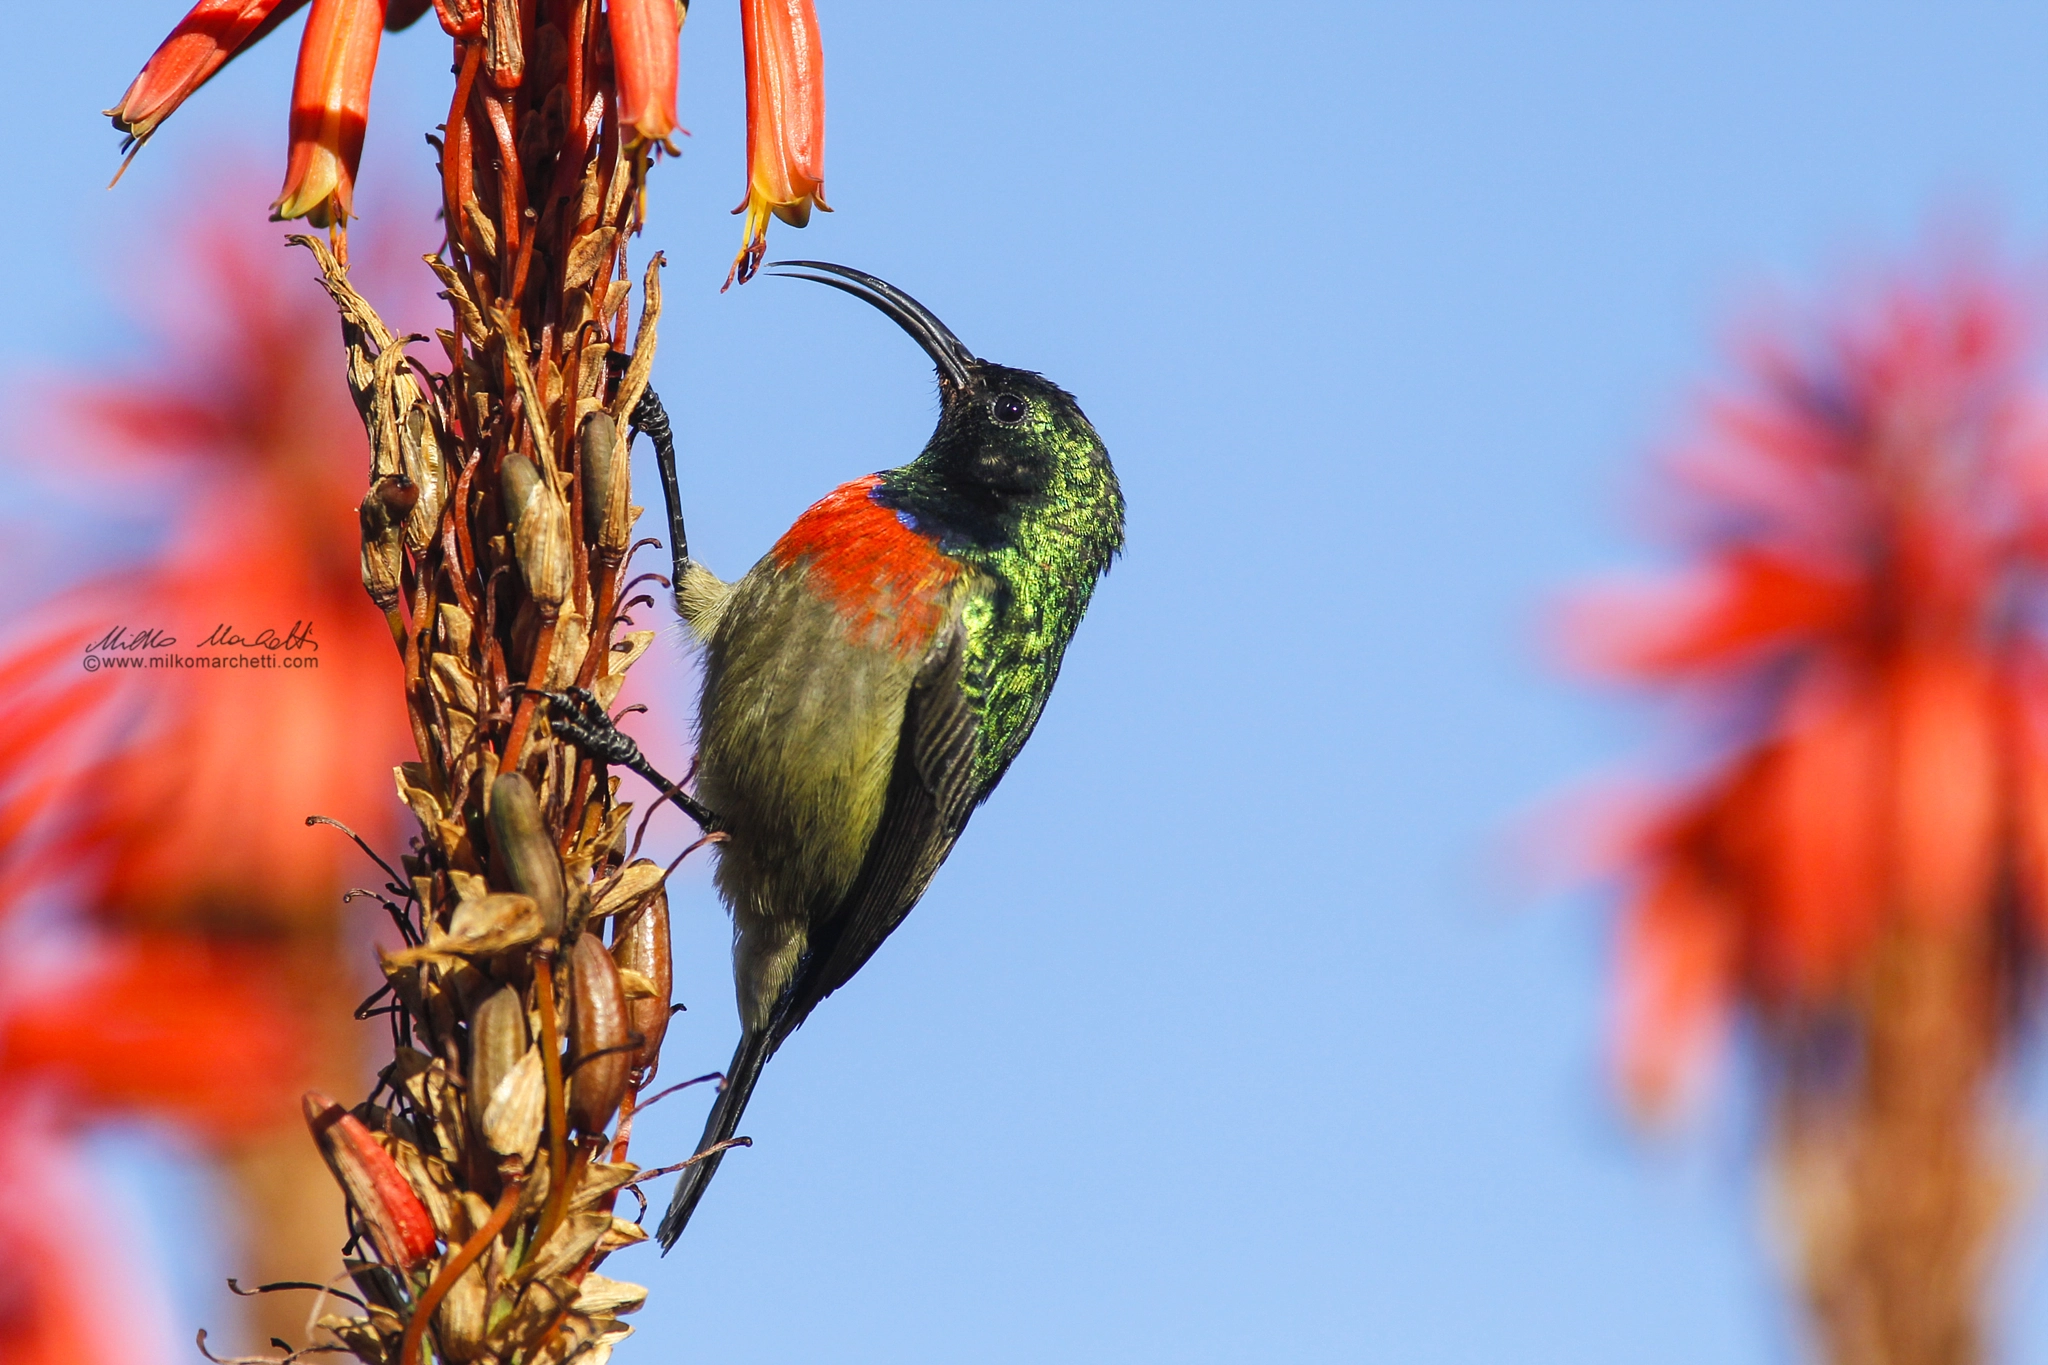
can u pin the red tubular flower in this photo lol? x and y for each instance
(644, 37)
(785, 123)
(330, 110)
(200, 45)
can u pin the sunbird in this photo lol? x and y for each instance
(867, 683)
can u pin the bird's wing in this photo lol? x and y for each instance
(929, 798)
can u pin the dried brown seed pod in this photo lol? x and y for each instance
(625, 890)
(640, 944)
(481, 927)
(607, 488)
(462, 1320)
(392, 1214)
(599, 1036)
(524, 854)
(540, 532)
(398, 494)
(383, 548)
(422, 457)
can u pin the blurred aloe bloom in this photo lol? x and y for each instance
(173, 931)
(1855, 855)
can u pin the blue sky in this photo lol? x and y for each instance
(1222, 1037)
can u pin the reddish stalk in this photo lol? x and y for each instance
(472, 1250)
(557, 1102)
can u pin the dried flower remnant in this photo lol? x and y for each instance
(785, 123)
(392, 1215)
(1858, 863)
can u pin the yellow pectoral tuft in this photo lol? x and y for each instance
(701, 598)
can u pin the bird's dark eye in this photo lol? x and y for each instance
(1008, 409)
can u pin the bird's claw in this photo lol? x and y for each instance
(580, 718)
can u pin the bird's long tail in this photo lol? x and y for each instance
(747, 1061)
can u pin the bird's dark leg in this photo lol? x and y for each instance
(578, 718)
(649, 416)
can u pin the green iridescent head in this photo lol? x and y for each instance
(1011, 446)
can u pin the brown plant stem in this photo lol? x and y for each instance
(1892, 1180)
(557, 1102)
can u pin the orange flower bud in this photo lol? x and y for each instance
(330, 110)
(644, 37)
(200, 45)
(392, 1214)
(785, 123)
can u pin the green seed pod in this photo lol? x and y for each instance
(540, 533)
(497, 1040)
(607, 488)
(522, 851)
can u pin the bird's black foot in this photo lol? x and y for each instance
(649, 416)
(578, 717)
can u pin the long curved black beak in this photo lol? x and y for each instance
(945, 349)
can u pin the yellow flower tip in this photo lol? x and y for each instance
(655, 125)
(317, 188)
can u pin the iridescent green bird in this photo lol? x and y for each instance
(869, 681)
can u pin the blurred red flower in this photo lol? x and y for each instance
(1858, 860)
(169, 805)
(1860, 626)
